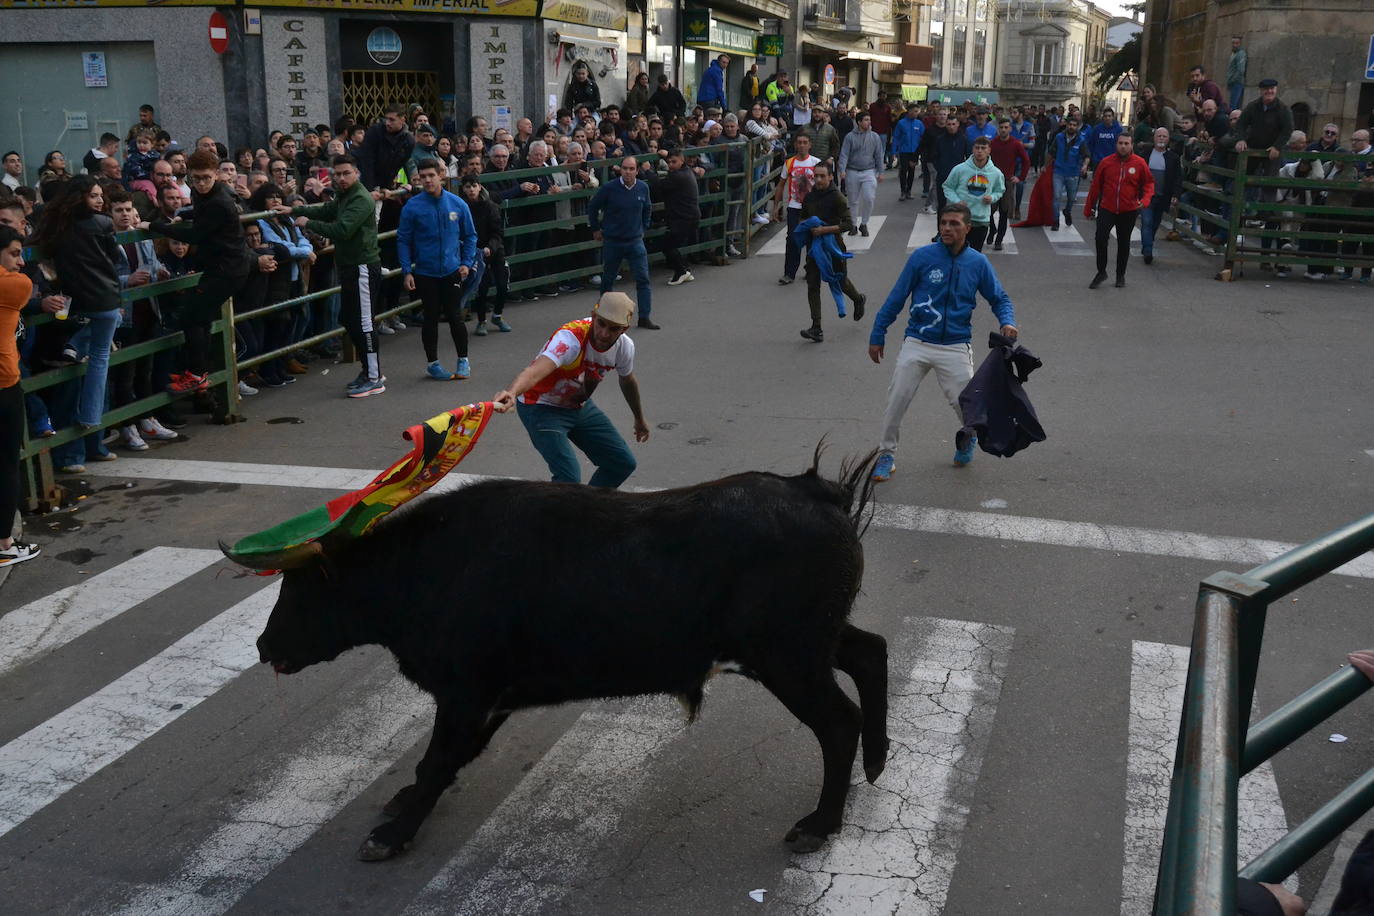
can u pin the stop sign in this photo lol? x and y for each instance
(219, 32)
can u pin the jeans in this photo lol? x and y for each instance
(1068, 187)
(1237, 91)
(95, 339)
(612, 253)
(1149, 222)
(555, 430)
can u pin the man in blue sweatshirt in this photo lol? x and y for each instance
(938, 287)
(619, 216)
(1102, 137)
(436, 243)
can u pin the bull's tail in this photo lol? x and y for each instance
(855, 482)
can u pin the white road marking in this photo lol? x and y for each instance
(862, 242)
(900, 841)
(1158, 675)
(41, 626)
(287, 807)
(922, 230)
(547, 831)
(1067, 241)
(50, 759)
(1369, 452)
(1115, 538)
(1008, 244)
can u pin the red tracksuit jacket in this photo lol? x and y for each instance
(1120, 185)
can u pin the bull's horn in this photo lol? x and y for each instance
(286, 558)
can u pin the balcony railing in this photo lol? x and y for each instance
(916, 60)
(825, 10)
(1041, 80)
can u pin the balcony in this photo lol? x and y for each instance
(1067, 82)
(825, 12)
(916, 61)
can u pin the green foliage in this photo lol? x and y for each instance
(1126, 60)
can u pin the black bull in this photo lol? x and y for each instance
(509, 594)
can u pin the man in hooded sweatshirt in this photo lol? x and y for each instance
(979, 184)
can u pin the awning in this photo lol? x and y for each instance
(960, 96)
(871, 55)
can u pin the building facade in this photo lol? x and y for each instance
(1052, 50)
(839, 44)
(1316, 49)
(965, 41)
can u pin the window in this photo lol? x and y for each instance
(980, 10)
(1044, 60)
(958, 64)
(960, 9)
(980, 55)
(937, 59)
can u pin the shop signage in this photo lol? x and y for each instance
(696, 26)
(384, 46)
(914, 93)
(720, 35)
(520, 8)
(295, 71)
(770, 46)
(602, 14)
(496, 74)
(91, 4)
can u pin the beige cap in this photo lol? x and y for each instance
(617, 308)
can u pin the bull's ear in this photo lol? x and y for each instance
(286, 558)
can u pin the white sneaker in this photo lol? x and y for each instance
(397, 324)
(685, 278)
(246, 390)
(760, 219)
(150, 428)
(1314, 275)
(930, 208)
(594, 280)
(732, 251)
(384, 328)
(132, 440)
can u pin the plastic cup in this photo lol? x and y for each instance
(62, 313)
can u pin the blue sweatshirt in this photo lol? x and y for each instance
(941, 290)
(973, 131)
(620, 213)
(907, 134)
(1068, 156)
(1102, 140)
(436, 235)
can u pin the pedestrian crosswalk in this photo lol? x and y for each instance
(854, 243)
(581, 798)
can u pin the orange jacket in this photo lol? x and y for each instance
(14, 295)
(1120, 185)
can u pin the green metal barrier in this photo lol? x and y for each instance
(1248, 209)
(1216, 745)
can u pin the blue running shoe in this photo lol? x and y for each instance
(500, 324)
(436, 371)
(464, 370)
(883, 469)
(368, 388)
(963, 456)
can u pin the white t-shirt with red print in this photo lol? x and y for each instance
(577, 360)
(801, 177)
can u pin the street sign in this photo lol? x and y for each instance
(1369, 61)
(219, 32)
(830, 74)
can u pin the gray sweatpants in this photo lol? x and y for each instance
(953, 365)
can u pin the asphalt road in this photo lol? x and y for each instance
(1033, 606)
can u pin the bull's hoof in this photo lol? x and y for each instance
(875, 761)
(374, 851)
(800, 841)
(398, 802)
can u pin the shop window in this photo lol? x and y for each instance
(959, 65)
(980, 55)
(937, 58)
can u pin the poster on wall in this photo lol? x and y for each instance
(501, 117)
(93, 69)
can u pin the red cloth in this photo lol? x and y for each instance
(1041, 209)
(1121, 185)
(1011, 157)
(881, 116)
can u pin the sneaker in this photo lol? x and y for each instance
(73, 469)
(1054, 227)
(152, 428)
(594, 280)
(760, 219)
(882, 470)
(1068, 217)
(859, 306)
(1016, 216)
(368, 388)
(962, 456)
(42, 429)
(246, 390)
(1149, 259)
(930, 208)
(464, 369)
(529, 295)
(648, 325)
(549, 291)
(813, 334)
(1120, 282)
(296, 367)
(103, 456)
(785, 279)
(385, 328)
(733, 252)
(396, 323)
(996, 246)
(18, 553)
(500, 324)
(68, 357)
(570, 287)
(436, 371)
(131, 439)
(188, 382)
(1314, 275)
(1282, 272)
(362, 377)
(855, 231)
(681, 279)
(277, 382)
(481, 329)
(1097, 279)
(863, 230)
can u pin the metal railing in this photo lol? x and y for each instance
(1279, 233)
(729, 190)
(1216, 745)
